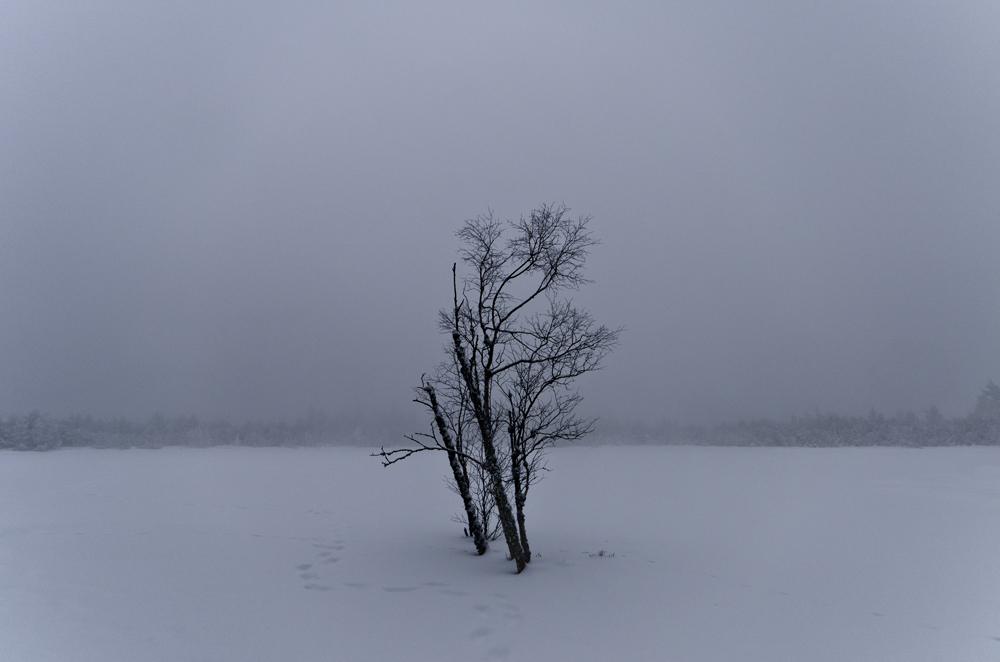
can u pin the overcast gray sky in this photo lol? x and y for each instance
(246, 209)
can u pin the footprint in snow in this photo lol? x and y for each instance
(324, 558)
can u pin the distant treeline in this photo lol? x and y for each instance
(981, 427)
(38, 432)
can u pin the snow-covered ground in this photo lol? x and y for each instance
(742, 554)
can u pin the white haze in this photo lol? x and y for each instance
(247, 209)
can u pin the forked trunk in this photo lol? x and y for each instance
(504, 512)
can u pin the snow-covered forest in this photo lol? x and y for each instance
(36, 431)
(931, 428)
(980, 427)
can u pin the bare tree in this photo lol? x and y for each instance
(447, 420)
(562, 345)
(516, 349)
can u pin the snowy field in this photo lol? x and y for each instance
(742, 554)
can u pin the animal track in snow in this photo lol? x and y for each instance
(312, 573)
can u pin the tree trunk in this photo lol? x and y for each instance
(519, 499)
(519, 493)
(504, 512)
(461, 477)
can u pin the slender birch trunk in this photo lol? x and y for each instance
(504, 512)
(519, 492)
(461, 477)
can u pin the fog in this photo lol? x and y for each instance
(247, 210)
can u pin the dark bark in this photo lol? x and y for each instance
(519, 499)
(519, 490)
(510, 532)
(461, 477)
